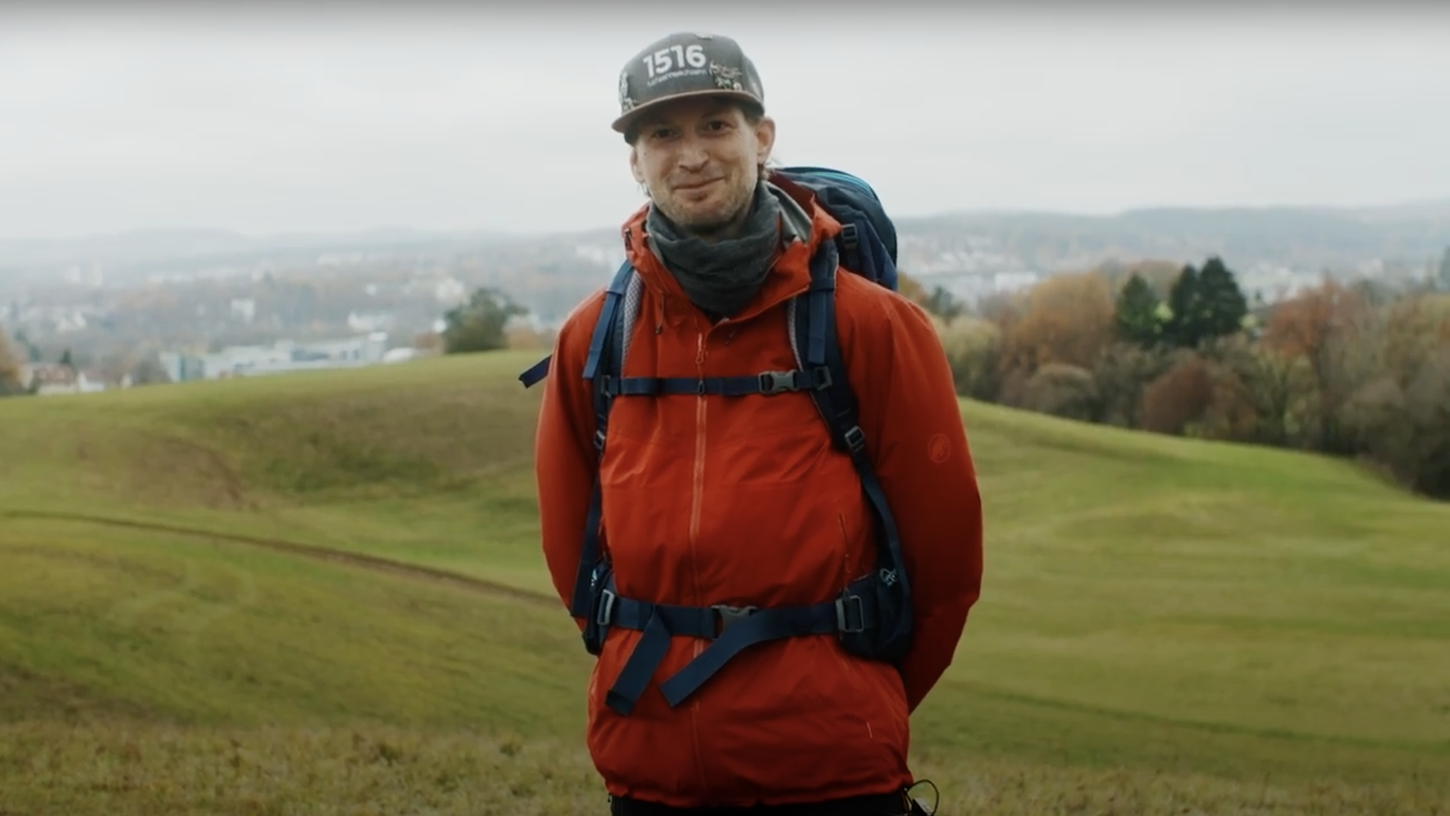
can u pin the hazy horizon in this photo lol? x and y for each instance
(271, 120)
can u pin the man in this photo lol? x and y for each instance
(740, 500)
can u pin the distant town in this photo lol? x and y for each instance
(147, 308)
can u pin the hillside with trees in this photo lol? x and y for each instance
(1348, 370)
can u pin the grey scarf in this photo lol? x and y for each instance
(722, 277)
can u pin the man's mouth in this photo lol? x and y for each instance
(698, 185)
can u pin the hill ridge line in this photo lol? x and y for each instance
(314, 551)
(1287, 734)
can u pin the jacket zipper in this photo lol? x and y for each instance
(698, 477)
(696, 499)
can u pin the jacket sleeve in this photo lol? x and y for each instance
(564, 454)
(917, 440)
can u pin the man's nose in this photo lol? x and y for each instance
(692, 155)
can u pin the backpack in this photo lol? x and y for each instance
(872, 616)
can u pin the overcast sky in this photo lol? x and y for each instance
(342, 116)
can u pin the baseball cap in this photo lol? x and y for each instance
(684, 65)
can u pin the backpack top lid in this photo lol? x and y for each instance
(868, 242)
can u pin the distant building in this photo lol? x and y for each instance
(283, 356)
(53, 379)
(49, 379)
(244, 309)
(370, 321)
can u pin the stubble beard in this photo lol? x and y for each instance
(714, 225)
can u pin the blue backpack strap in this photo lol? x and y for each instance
(608, 317)
(766, 382)
(536, 372)
(602, 362)
(888, 596)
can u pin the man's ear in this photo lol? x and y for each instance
(765, 138)
(634, 165)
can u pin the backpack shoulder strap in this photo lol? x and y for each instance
(814, 334)
(601, 367)
(621, 301)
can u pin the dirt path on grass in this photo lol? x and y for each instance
(314, 552)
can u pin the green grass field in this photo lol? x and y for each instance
(323, 593)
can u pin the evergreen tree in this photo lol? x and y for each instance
(1205, 304)
(1136, 314)
(1184, 327)
(1444, 276)
(1223, 304)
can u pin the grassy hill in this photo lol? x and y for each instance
(323, 593)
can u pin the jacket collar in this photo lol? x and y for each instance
(789, 276)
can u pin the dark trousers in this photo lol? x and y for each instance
(887, 804)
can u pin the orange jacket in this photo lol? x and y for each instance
(741, 500)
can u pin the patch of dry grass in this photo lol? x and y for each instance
(121, 769)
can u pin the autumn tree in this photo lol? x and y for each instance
(1333, 328)
(1231, 414)
(478, 325)
(1179, 398)
(9, 369)
(1413, 336)
(910, 288)
(936, 301)
(1406, 425)
(1270, 397)
(972, 346)
(1063, 390)
(524, 336)
(428, 342)
(1121, 373)
(1064, 319)
(1397, 375)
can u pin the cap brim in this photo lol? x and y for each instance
(623, 123)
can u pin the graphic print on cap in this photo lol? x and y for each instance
(682, 65)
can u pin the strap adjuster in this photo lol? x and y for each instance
(777, 382)
(605, 613)
(728, 615)
(845, 603)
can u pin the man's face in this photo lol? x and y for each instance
(699, 158)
